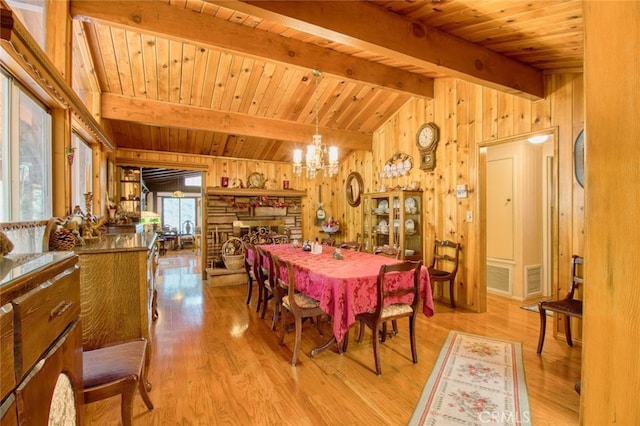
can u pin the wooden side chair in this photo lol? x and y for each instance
(116, 370)
(391, 252)
(265, 274)
(385, 311)
(300, 305)
(329, 241)
(444, 266)
(250, 255)
(568, 306)
(352, 245)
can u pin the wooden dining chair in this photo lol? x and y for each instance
(298, 304)
(569, 307)
(444, 266)
(250, 256)
(116, 370)
(352, 245)
(385, 311)
(265, 274)
(391, 252)
(329, 241)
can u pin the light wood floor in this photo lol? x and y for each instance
(214, 361)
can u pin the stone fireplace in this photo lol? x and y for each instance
(257, 215)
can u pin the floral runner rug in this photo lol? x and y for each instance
(476, 380)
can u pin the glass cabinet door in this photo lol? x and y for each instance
(393, 219)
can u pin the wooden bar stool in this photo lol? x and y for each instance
(116, 370)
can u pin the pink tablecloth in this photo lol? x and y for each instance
(344, 287)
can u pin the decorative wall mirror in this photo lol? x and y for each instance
(353, 188)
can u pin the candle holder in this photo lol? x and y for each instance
(88, 201)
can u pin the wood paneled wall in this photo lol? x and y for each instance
(610, 373)
(469, 116)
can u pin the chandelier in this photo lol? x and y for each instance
(315, 158)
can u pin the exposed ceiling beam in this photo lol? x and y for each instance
(169, 21)
(167, 114)
(369, 27)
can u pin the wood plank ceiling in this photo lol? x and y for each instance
(234, 78)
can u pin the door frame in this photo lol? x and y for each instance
(481, 153)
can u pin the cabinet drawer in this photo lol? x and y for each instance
(7, 366)
(42, 315)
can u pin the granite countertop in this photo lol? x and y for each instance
(119, 242)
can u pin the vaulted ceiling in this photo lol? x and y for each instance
(235, 78)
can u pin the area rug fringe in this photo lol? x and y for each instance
(476, 380)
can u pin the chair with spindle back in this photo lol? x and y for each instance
(444, 266)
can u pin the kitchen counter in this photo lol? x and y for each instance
(119, 242)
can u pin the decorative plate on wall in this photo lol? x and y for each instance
(256, 180)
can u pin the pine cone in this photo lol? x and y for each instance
(62, 239)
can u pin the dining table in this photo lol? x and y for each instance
(345, 285)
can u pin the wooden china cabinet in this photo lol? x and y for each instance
(394, 219)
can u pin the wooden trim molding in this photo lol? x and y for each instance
(252, 192)
(19, 48)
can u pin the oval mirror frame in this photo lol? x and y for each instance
(353, 187)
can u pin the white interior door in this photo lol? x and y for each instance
(500, 238)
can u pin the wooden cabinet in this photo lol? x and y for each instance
(130, 195)
(394, 219)
(41, 353)
(117, 286)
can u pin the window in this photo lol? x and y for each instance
(193, 181)
(176, 211)
(25, 155)
(81, 171)
(32, 14)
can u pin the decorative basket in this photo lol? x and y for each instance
(233, 253)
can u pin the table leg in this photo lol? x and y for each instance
(340, 345)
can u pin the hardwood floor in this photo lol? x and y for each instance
(214, 361)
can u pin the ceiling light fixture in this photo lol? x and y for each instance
(538, 139)
(314, 160)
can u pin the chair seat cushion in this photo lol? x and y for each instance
(112, 363)
(303, 301)
(568, 306)
(396, 309)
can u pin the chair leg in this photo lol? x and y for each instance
(143, 393)
(260, 296)
(265, 299)
(383, 338)
(412, 338)
(543, 327)
(249, 290)
(376, 347)
(276, 315)
(567, 329)
(126, 406)
(451, 298)
(283, 326)
(296, 346)
(361, 332)
(319, 325)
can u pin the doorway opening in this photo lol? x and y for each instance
(518, 191)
